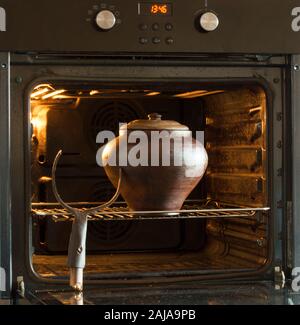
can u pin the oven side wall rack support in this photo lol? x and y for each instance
(5, 172)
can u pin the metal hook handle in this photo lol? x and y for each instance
(77, 243)
(75, 211)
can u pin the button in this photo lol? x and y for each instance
(170, 40)
(143, 40)
(143, 26)
(168, 27)
(209, 21)
(155, 26)
(156, 40)
(106, 19)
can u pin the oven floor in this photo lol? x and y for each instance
(50, 266)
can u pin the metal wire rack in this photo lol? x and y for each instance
(119, 211)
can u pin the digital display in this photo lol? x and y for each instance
(155, 9)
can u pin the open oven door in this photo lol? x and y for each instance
(257, 293)
(5, 238)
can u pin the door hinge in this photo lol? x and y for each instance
(279, 278)
(21, 286)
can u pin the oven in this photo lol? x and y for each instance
(215, 67)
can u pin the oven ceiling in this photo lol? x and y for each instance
(49, 92)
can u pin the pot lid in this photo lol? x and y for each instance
(155, 122)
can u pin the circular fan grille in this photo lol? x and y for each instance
(108, 232)
(109, 115)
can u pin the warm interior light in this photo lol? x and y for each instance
(154, 93)
(37, 123)
(39, 118)
(64, 97)
(54, 93)
(46, 91)
(255, 110)
(197, 93)
(45, 179)
(39, 92)
(191, 93)
(94, 92)
(43, 86)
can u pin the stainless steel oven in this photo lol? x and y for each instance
(68, 72)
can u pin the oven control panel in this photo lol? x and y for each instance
(155, 21)
(149, 26)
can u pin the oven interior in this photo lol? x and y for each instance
(68, 115)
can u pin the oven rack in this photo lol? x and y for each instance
(119, 211)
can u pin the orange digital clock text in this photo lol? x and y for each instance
(159, 9)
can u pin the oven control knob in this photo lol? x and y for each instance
(209, 21)
(106, 19)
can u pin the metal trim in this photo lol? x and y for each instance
(5, 172)
(295, 240)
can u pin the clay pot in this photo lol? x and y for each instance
(158, 187)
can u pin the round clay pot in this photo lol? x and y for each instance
(155, 185)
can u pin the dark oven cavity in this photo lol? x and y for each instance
(233, 235)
